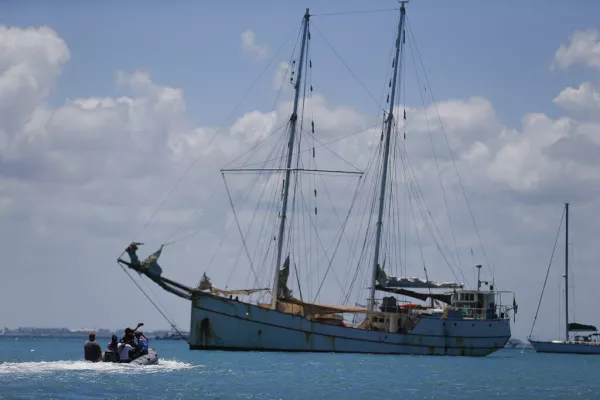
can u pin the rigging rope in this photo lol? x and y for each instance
(212, 138)
(547, 273)
(173, 325)
(348, 68)
(324, 144)
(355, 12)
(240, 230)
(458, 262)
(450, 150)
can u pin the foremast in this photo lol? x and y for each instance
(386, 154)
(286, 184)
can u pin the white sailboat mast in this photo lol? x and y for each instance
(286, 185)
(567, 272)
(389, 125)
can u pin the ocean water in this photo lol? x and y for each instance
(53, 369)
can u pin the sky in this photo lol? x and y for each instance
(105, 106)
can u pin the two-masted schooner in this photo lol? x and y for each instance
(450, 321)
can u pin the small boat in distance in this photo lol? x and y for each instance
(579, 344)
(174, 335)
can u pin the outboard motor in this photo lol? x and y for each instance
(110, 356)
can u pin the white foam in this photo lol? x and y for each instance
(58, 366)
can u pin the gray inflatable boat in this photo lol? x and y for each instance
(148, 359)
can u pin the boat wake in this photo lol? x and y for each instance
(58, 366)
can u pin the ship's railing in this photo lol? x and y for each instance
(496, 312)
(454, 312)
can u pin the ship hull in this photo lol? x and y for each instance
(219, 323)
(565, 347)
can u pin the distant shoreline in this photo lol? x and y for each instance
(64, 333)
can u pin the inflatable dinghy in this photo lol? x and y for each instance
(148, 359)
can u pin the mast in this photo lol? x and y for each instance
(389, 124)
(286, 184)
(567, 272)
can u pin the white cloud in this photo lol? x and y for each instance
(584, 48)
(250, 45)
(78, 181)
(584, 99)
(30, 61)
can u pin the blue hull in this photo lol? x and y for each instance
(219, 323)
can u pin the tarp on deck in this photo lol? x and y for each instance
(298, 307)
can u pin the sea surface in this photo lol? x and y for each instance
(43, 368)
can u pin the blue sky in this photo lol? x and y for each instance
(75, 170)
(499, 50)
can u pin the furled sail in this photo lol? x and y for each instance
(444, 298)
(149, 266)
(577, 327)
(152, 270)
(284, 292)
(206, 285)
(416, 283)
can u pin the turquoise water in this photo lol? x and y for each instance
(52, 369)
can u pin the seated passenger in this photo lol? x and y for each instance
(128, 337)
(124, 352)
(91, 349)
(114, 344)
(142, 344)
(112, 355)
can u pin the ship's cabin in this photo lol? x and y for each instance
(474, 304)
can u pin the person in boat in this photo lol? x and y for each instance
(112, 355)
(142, 344)
(129, 337)
(125, 352)
(91, 349)
(114, 344)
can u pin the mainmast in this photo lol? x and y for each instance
(567, 272)
(286, 184)
(389, 125)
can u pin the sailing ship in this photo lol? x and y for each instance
(451, 320)
(578, 343)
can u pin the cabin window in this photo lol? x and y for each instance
(466, 297)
